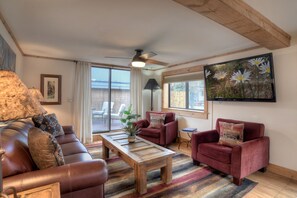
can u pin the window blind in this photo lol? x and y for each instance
(184, 77)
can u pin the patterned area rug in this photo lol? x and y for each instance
(188, 180)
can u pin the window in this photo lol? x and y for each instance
(184, 92)
(178, 95)
(110, 96)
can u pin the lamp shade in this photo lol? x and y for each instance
(15, 100)
(138, 62)
(36, 94)
(152, 84)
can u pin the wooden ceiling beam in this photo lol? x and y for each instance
(243, 19)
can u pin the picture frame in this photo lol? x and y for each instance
(50, 86)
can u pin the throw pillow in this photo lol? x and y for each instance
(157, 120)
(48, 123)
(44, 149)
(231, 134)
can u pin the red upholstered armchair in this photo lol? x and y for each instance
(162, 136)
(239, 160)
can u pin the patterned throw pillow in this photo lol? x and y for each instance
(48, 123)
(44, 149)
(157, 120)
(231, 134)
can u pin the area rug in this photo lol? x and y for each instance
(188, 180)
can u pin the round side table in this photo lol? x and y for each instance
(189, 133)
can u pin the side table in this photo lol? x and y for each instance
(47, 191)
(189, 133)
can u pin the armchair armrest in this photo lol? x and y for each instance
(203, 137)
(249, 157)
(169, 132)
(142, 123)
(72, 177)
(68, 129)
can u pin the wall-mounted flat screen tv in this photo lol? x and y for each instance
(246, 79)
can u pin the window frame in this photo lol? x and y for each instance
(109, 94)
(180, 111)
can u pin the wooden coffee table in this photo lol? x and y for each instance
(142, 156)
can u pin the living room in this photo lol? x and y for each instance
(30, 29)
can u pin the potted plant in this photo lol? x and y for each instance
(128, 119)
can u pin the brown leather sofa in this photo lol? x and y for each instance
(81, 176)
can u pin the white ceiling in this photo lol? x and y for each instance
(92, 29)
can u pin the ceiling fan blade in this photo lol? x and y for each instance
(148, 55)
(155, 62)
(117, 57)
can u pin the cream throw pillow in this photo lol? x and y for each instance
(231, 134)
(157, 120)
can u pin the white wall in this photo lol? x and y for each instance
(280, 118)
(33, 67)
(11, 43)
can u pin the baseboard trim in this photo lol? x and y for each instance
(292, 174)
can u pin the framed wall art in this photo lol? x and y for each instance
(50, 86)
(7, 56)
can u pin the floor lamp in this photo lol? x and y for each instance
(152, 85)
(16, 102)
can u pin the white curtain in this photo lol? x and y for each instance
(136, 90)
(82, 116)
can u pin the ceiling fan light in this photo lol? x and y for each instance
(138, 64)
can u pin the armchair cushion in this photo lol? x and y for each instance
(251, 130)
(157, 120)
(216, 151)
(142, 123)
(151, 132)
(170, 116)
(230, 133)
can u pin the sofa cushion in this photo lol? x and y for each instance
(216, 151)
(48, 123)
(157, 120)
(67, 138)
(73, 148)
(44, 149)
(17, 158)
(230, 133)
(150, 132)
(79, 157)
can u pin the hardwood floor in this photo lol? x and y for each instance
(269, 184)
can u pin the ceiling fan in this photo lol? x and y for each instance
(140, 59)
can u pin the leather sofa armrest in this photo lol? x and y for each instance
(250, 156)
(203, 137)
(72, 177)
(68, 129)
(142, 123)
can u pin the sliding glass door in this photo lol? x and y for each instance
(110, 97)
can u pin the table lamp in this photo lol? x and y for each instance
(36, 94)
(16, 102)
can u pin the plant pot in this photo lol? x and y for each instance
(131, 138)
